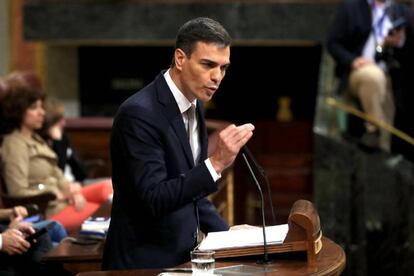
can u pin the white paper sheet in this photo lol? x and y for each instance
(244, 237)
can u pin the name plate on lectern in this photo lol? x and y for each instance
(302, 233)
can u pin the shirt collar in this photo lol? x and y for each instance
(182, 102)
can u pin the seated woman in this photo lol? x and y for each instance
(53, 132)
(30, 165)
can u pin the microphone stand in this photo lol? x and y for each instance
(265, 254)
(263, 174)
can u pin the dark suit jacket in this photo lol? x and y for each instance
(156, 185)
(350, 31)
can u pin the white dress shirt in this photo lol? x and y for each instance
(381, 25)
(183, 104)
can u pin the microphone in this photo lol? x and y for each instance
(262, 172)
(245, 152)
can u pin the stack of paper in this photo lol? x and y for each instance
(95, 227)
(244, 237)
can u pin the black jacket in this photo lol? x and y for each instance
(76, 164)
(157, 188)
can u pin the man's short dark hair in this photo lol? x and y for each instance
(201, 29)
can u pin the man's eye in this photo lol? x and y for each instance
(208, 65)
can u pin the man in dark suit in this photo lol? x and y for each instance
(370, 57)
(161, 171)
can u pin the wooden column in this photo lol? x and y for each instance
(24, 55)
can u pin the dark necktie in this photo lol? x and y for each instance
(191, 125)
(191, 129)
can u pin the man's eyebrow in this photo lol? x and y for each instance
(209, 61)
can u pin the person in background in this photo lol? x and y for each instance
(404, 106)
(30, 166)
(17, 255)
(53, 132)
(18, 214)
(2, 125)
(369, 40)
(161, 172)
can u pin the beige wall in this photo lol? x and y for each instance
(4, 37)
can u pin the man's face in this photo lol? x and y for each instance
(203, 71)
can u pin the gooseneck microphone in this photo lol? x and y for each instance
(265, 254)
(262, 172)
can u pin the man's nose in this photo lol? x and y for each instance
(216, 75)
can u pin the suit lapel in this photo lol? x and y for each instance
(173, 114)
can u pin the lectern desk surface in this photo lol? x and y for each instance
(330, 261)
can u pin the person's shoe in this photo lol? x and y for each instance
(370, 141)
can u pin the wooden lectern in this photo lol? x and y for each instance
(304, 235)
(305, 232)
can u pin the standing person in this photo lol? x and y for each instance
(368, 51)
(161, 175)
(405, 110)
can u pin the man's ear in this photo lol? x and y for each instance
(179, 58)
